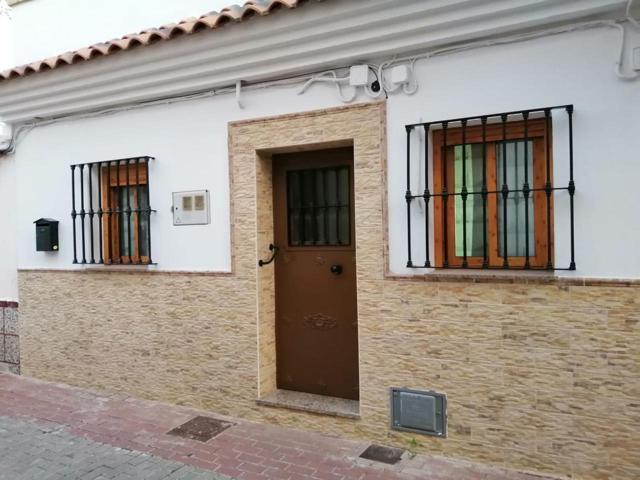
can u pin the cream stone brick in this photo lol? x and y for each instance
(492, 314)
(519, 437)
(529, 295)
(564, 317)
(624, 319)
(609, 297)
(534, 462)
(465, 292)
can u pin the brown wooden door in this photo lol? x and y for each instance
(315, 273)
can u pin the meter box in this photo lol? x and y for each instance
(191, 208)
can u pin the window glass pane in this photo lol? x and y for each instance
(321, 213)
(128, 225)
(143, 241)
(344, 211)
(308, 207)
(124, 222)
(331, 197)
(294, 203)
(472, 179)
(516, 218)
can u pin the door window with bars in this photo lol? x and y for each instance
(318, 207)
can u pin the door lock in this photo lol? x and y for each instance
(336, 269)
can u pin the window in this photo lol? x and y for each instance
(493, 192)
(111, 212)
(516, 221)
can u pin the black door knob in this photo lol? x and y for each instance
(336, 269)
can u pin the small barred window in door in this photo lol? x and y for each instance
(318, 207)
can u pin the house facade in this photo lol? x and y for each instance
(407, 221)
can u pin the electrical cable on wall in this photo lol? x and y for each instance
(337, 81)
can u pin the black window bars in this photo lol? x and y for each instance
(503, 191)
(111, 223)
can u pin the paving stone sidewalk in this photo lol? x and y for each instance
(53, 431)
(34, 452)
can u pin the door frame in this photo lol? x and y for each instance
(251, 146)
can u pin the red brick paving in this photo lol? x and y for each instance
(246, 451)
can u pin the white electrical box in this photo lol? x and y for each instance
(400, 75)
(191, 208)
(359, 75)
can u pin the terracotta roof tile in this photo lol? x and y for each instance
(209, 21)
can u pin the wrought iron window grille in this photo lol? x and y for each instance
(502, 193)
(111, 212)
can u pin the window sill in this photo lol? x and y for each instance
(526, 277)
(486, 276)
(117, 267)
(130, 269)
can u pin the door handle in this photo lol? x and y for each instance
(273, 249)
(336, 269)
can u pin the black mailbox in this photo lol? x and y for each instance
(46, 235)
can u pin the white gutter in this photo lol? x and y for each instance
(314, 37)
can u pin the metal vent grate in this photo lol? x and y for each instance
(380, 453)
(418, 411)
(201, 428)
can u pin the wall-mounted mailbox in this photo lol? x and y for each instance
(46, 235)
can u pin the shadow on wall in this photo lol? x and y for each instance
(9, 339)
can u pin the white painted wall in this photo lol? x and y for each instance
(189, 140)
(73, 24)
(8, 254)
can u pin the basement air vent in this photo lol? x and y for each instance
(418, 411)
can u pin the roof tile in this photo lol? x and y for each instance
(209, 21)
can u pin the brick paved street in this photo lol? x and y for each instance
(53, 431)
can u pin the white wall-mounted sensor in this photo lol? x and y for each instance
(191, 208)
(400, 75)
(359, 75)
